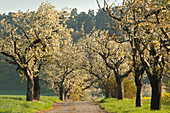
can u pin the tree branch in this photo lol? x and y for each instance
(126, 74)
(90, 85)
(11, 56)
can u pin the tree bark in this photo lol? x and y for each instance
(120, 88)
(139, 85)
(65, 96)
(156, 95)
(139, 96)
(108, 94)
(30, 89)
(61, 93)
(36, 88)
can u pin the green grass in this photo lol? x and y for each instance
(128, 106)
(18, 104)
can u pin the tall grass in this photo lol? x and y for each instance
(128, 106)
(18, 104)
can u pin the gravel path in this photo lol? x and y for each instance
(75, 107)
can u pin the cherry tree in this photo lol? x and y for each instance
(145, 24)
(28, 40)
(112, 54)
(93, 64)
(59, 75)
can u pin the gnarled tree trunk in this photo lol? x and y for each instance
(65, 95)
(138, 76)
(120, 88)
(139, 85)
(139, 96)
(30, 84)
(36, 88)
(108, 94)
(30, 89)
(156, 95)
(62, 93)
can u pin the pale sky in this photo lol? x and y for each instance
(7, 6)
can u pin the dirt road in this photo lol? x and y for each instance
(75, 107)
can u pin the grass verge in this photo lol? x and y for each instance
(128, 106)
(18, 104)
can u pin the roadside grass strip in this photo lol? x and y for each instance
(18, 104)
(114, 105)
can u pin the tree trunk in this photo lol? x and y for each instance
(139, 96)
(36, 88)
(61, 93)
(156, 95)
(65, 96)
(120, 88)
(139, 85)
(138, 76)
(108, 94)
(30, 89)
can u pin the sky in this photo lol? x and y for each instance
(7, 6)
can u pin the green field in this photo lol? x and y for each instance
(18, 104)
(11, 92)
(3, 92)
(128, 106)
